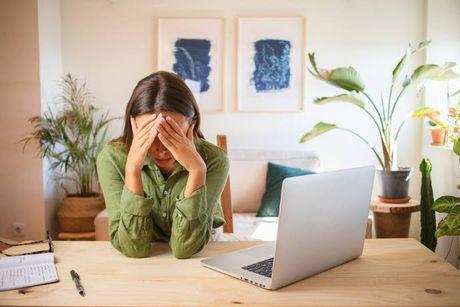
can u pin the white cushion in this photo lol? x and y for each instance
(248, 172)
(248, 227)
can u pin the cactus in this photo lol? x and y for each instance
(427, 214)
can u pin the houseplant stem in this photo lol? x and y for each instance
(365, 141)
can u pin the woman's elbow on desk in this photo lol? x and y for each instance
(181, 253)
(184, 251)
(131, 251)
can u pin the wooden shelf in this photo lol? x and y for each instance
(83, 236)
(411, 206)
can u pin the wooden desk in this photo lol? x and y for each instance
(391, 272)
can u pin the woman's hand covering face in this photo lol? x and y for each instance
(180, 144)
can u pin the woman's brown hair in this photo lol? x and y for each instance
(161, 91)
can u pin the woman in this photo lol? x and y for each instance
(161, 180)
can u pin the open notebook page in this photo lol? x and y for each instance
(28, 270)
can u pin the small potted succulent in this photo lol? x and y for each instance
(394, 179)
(71, 138)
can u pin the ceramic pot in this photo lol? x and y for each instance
(77, 213)
(394, 185)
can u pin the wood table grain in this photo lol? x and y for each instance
(391, 272)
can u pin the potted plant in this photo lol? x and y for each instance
(71, 138)
(438, 127)
(441, 130)
(393, 178)
(438, 135)
(447, 205)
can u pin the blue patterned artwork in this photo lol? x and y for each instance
(272, 65)
(192, 60)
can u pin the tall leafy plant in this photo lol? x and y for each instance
(450, 224)
(380, 113)
(71, 137)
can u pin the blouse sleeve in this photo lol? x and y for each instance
(193, 215)
(130, 223)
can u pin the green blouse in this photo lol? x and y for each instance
(163, 213)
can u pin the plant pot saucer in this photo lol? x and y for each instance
(394, 200)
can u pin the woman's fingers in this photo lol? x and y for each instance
(174, 125)
(149, 137)
(133, 125)
(190, 132)
(168, 131)
(169, 145)
(146, 122)
(147, 142)
(146, 130)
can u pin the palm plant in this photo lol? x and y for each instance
(72, 137)
(382, 116)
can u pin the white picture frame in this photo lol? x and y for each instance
(194, 49)
(271, 57)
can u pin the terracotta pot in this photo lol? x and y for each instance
(437, 136)
(76, 213)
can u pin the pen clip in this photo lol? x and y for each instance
(74, 275)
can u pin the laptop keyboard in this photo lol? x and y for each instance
(263, 267)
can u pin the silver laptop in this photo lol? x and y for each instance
(322, 224)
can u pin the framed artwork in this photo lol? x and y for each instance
(193, 48)
(270, 64)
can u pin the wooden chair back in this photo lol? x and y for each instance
(225, 198)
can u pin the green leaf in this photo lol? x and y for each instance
(400, 66)
(456, 146)
(444, 228)
(402, 62)
(341, 98)
(421, 46)
(453, 220)
(435, 72)
(317, 130)
(427, 112)
(346, 78)
(311, 56)
(424, 111)
(455, 93)
(446, 204)
(421, 70)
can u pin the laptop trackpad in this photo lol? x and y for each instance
(261, 251)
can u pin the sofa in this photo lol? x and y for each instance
(248, 169)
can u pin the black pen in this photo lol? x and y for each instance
(76, 279)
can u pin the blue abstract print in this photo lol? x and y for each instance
(272, 65)
(193, 60)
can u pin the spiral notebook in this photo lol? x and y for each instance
(26, 271)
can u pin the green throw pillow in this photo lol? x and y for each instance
(276, 173)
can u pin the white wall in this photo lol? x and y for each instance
(112, 44)
(49, 28)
